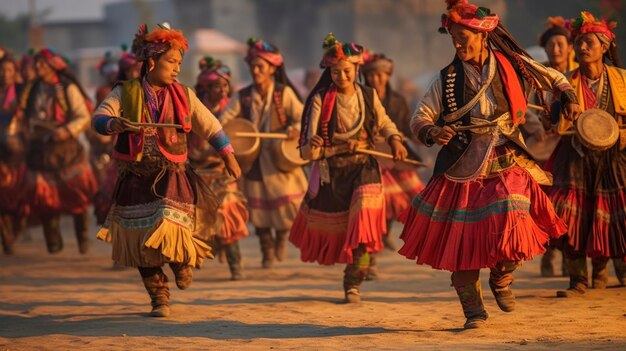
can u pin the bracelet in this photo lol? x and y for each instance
(397, 137)
(107, 126)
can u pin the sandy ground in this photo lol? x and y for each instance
(67, 301)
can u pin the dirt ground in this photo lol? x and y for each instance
(67, 301)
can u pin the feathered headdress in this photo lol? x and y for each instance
(587, 23)
(265, 50)
(161, 39)
(468, 15)
(335, 51)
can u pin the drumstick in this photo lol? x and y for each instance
(261, 135)
(462, 128)
(536, 107)
(382, 154)
(163, 125)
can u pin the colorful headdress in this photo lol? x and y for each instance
(265, 50)
(471, 16)
(377, 62)
(556, 26)
(56, 61)
(28, 59)
(127, 60)
(335, 51)
(161, 39)
(108, 64)
(211, 70)
(586, 23)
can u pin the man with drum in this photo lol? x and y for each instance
(589, 190)
(271, 104)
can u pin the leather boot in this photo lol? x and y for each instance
(500, 280)
(7, 233)
(577, 268)
(372, 272)
(182, 274)
(355, 273)
(233, 255)
(155, 282)
(471, 299)
(547, 262)
(599, 273)
(81, 228)
(281, 245)
(52, 233)
(620, 270)
(388, 239)
(267, 247)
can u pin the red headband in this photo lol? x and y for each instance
(471, 16)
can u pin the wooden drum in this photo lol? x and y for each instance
(246, 149)
(286, 155)
(597, 129)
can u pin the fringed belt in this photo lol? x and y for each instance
(345, 160)
(149, 166)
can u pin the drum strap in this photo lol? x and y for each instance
(245, 100)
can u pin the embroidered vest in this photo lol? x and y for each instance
(370, 119)
(172, 142)
(456, 92)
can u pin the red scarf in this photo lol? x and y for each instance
(328, 105)
(513, 88)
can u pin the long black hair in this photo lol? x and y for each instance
(280, 76)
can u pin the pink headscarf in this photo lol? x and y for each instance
(261, 48)
(54, 60)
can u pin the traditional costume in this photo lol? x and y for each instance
(162, 210)
(483, 207)
(342, 217)
(13, 202)
(61, 179)
(273, 195)
(589, 190)
(233, 215)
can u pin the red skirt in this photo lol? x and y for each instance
(68, 191)
(470, 225)
(14, 189)
(348, 212)
(400, 188)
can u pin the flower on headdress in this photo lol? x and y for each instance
(587, 23)
(161, 39)
(469, 15)
(335, 51)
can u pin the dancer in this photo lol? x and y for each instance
(589, 190)
(161, 207)
(483, 208)
(342, 217)
(213, 90)
(56, 114)
(272, 104)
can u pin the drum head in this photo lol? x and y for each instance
(242, 146)
(597, 129)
